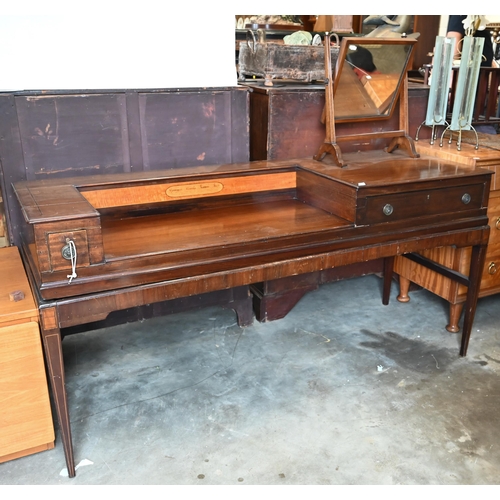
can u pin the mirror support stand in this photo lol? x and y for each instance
(404, 141)
(330, 145)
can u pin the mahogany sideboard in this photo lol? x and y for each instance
(458, 258)
(98, 244)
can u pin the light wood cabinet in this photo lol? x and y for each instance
(26, 424)
(458, 259)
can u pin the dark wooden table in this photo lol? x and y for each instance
(149, 237)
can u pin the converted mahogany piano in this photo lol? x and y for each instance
(99, 244)
(105, 243)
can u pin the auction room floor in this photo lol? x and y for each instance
(342, 391)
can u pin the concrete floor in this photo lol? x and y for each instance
(343, 391)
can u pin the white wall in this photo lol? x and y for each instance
(109, 44)
(87, 50)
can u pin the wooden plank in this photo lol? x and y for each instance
(26, 418)
(179, 232)
(185, 128)
(11, 164)
(24, 398)
(173, 191)
(84, 133)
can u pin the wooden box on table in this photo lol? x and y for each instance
(458, 258)
(25, 413)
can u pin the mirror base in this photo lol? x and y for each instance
(333, 149)
(404, 142)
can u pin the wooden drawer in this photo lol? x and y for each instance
(405, 189)
(490, 281)
(394, 207)
(459, 259)
(494, 222)
(450, 257)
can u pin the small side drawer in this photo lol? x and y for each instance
(52, 244)
(494, 223)
(58, 249)
(490, 278)
(410, 205)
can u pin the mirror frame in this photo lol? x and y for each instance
(344, 47)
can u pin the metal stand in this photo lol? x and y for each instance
(434, 130)
(459, 139)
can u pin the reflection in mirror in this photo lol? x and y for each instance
(368, 77)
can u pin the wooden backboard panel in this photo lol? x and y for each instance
(85, 133)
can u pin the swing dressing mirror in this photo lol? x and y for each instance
(368, 77)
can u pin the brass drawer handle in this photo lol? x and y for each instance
(492, 268)
(497, 223)
(466, 198)
(67, 251)
(388, 209)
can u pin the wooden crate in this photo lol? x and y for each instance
(25, 413)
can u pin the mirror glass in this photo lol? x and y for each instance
(369, 73)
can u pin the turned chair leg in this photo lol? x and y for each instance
(404, 287)
(455, 313)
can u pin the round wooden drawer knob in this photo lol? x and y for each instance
(388, 209)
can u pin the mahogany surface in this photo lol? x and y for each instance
(215, 228)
